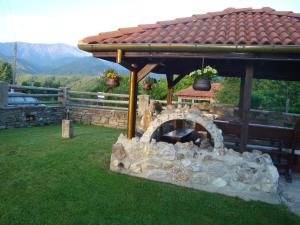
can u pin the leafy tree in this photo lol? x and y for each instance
(230, 92)
(6, 73)
(270, 95)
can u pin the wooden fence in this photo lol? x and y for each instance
(39, 96)
(65, 97)
(34, 96)
(99, 100)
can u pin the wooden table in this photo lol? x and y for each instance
(178, 135)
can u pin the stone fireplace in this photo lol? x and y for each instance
(207, 167)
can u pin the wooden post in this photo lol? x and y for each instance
(64, 98)
(246, 104)
(3, 94)
(170, 95)
(132, 103)
(170, 88)
(242, 87)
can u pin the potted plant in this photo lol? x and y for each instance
(112, 79)
(202, 78)
(148, 82)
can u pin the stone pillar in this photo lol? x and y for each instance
(67, 129)
(143, 104)
(179, 101)
(3, 94)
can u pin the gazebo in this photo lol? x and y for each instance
(246, 43)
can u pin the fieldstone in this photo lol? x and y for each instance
(115, 163)
(168, 165)
(180, 174)
(179, 156)
(205, 144)
(219, 182)
(263, 159)
(135, 168)
(196, 167)
(207, 158)
(118, 151)
(200, 178)
(152, 164)
(158, 174)
(168, 152)
(273, 172)
(186, 162)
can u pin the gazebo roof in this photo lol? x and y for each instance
(227, 40)
(191, 93)
(232, 26)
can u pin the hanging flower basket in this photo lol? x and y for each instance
(148, 82)
(147, 86)
(202, 85)
(112, 79)
(203, 77)
(109, 82)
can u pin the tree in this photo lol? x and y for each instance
(230, 92)
(6, 73)
(270, 95)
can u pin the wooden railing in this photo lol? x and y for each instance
(34, 96)
(45, 96)
(100, 100)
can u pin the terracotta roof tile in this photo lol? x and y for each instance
(232, 26)
(190, 92)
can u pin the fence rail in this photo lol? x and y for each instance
(34, 96)
(99, 100)
(19, 87)
(14, 94)
(99, 94)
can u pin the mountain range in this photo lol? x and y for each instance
(55, 59)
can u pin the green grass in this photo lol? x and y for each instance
(47, 180)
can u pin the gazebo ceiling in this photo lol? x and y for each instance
(229, 40)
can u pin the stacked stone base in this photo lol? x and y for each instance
(250, 176)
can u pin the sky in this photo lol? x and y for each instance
(68, 21)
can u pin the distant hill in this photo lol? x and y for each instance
(55, 59)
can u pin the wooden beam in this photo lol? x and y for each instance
(246, 107)
(146, 70)
(133, 91)
(242, 87)
(208, 55)
(119, 60)
(177, 79)
(170, 88)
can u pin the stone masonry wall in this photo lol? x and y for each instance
(14, 117)
(204, 167)
(103, 117)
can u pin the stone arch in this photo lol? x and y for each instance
(193, 115)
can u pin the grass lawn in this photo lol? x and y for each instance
(47, 180)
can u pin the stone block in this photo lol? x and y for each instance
(67, 129)
(118, 151)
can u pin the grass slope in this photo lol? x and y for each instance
(47, 180)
